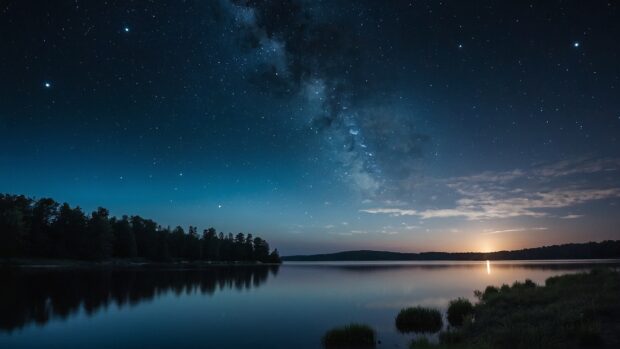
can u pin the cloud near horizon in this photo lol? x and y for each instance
(518, 193)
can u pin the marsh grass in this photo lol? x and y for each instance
(569, 311)
(419, 319)
(458, 310)
(350, 337)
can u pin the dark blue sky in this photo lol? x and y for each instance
(321, 125)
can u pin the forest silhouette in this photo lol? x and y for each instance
(46, 229)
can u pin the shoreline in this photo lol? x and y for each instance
(35, 263)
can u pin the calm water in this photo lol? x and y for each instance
(236, 307)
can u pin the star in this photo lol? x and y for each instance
(126, 29)
(460, 45)
(219, 206)
(576, 44)
(47, 84)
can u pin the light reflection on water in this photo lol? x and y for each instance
(235, 307)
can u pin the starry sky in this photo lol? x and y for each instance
(321, 125)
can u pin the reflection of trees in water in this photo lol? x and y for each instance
(38, 296)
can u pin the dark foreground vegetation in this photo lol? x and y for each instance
(458, 311)
(591, 250)
(353, 336)
(419, 319)
(46, 229)
(569, 311)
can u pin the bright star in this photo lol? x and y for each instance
(460, 45)
(126, 29)
(47, 84)
(219, 206)
(576, 44)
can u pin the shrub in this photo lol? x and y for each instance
(350, 336)
(524, 285)
(570, 311)
(457, 311)
(489, 292)
(419, 319)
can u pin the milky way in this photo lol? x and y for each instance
(321, 125)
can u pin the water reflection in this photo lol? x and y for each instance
(489, 267)
(552, 265)
(38, 296)
(193, 309)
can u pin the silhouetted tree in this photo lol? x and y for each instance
(13, 225)
(145, 231)
(100, 237)
(210, 245)
(238, 247)
(193, 249)
(44, 213)
(177, 243)
(274, 257)
(124, 238)
(163, 249)
(261, 250)
(248, 248)
(69, 232)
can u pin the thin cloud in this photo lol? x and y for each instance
(486, 205)
(353, 232)
(392, 211)
(572, 216)
(514, 230)
(492, 195)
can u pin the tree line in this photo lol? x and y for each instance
(46, 229)
(608, 249)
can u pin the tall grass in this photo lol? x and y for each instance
(458, 310)
(419, 319)
(351, 336)
(569, 311)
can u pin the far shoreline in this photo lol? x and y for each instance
(608, 249)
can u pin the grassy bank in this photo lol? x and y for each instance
(569, 311)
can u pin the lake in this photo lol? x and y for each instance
(290, 306)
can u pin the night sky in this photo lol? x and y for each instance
(321, 125)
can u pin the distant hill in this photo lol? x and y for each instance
(591, 250)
